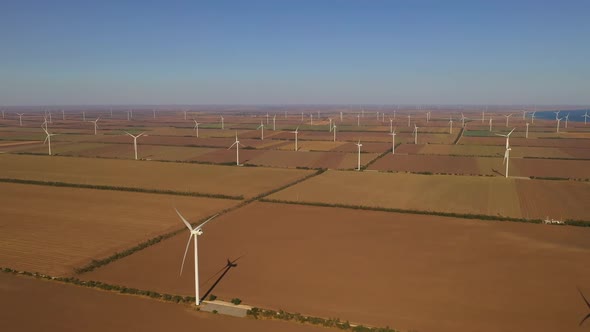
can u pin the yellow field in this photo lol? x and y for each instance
(225, 180)
(476, 195)
(53, 230)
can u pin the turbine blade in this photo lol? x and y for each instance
(185, 251)
(206, 221)
(231, 146)
(188, 224)
(510, 132)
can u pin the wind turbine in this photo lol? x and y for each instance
(184, 114)
(490, 123)
(20, 118)
(196, 128)
(83, 116)
(301, 116)
(359, 158)
(527, 131)
(274, 122)
(567, 117)
(95, 124)
(128, 115)
(451, 125)
(558, 121)
(63, 115)
(506, 159)
(135, 141)
(222, 124)
(51, 120)
(154, 111)
(237, 144)
(266, 117)
(556, 114)
(111, 112)
(524, 114)
(296, 132)
(341, 116)
(261, 127)
(586, 116)
(334, 129)
(463, 118)
(409, 117)
(193, 232)
(533, 117)
(390, 125)
(2, 114)
(48, 138)
(311, 119)
(415, 134)
(507, 137)
(358, 120)
(507, 117)
(483, 113)
(330, 124)
(393, 141)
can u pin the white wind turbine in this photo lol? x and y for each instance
(51, 120)
(83, 116)
(507, 137)
(261, 127)
(567, 117)
(334, 129)
(154, 111)
(2, 114)
(586, 116)
(483, 113)
(111, 112)
(358, 120)
(296, 132)
(330, 125)
(237, 144)
(135, 141)
(393, 141)
(340, 116)
(196, 128)
(506, 159)
(527, 131)
(63, 115)
(95, 124)
(451, 125)
(390, 125)
(491, 123)
(311, 119)
(524, 114)
(463, 118)
(266, 117)
(301, 116)
(415, 134)
(48, 137)
(274, 122)
(222, 124)
(184, 114)
(556, 115)
(193, 232)
(359, 158)
(128, 115)
(409, 117)
(507, 117)
(558, 121)
(20, 118)
(533, 117)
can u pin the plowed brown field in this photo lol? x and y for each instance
(410, 272)
(52, 230)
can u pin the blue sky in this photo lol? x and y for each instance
(294, 52)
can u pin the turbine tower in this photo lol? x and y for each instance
(20, 118)
(237, 144)
(415, 134)
(558, 121)
(409, 117)
(490, 123)
(334, 129)
(196, 127)
(451, 125)
(506, 159)
(296, 132)
(359, 158)
(507, 117)
(527, 131)
(222, 124)
(567, 117)
(390, 125)
(533, 117)
(95, 124)
(135, 141)
(586, 116)
(274, 122)
(48, 137)
(261, 127)
(193, 232)
(393, 141)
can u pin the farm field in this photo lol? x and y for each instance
(494, 196)
(411, 272)
(206, 179)
(540, 142)
(498, 151)
(71, 308)
(54, 230)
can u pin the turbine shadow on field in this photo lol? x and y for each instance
(497, 172)
(228, 266)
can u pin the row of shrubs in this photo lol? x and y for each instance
(131, 189)
(258, 313)
(108, 287)
(571, 222)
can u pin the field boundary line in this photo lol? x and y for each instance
(118, 188)
(255, 312)
(570, 222)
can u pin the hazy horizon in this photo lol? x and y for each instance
(295, 53)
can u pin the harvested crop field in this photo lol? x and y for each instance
(494, 196)
(428, 163)
(53, 230)
(206, 179)
(539, 142)
(410, 272)
(58, 307)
